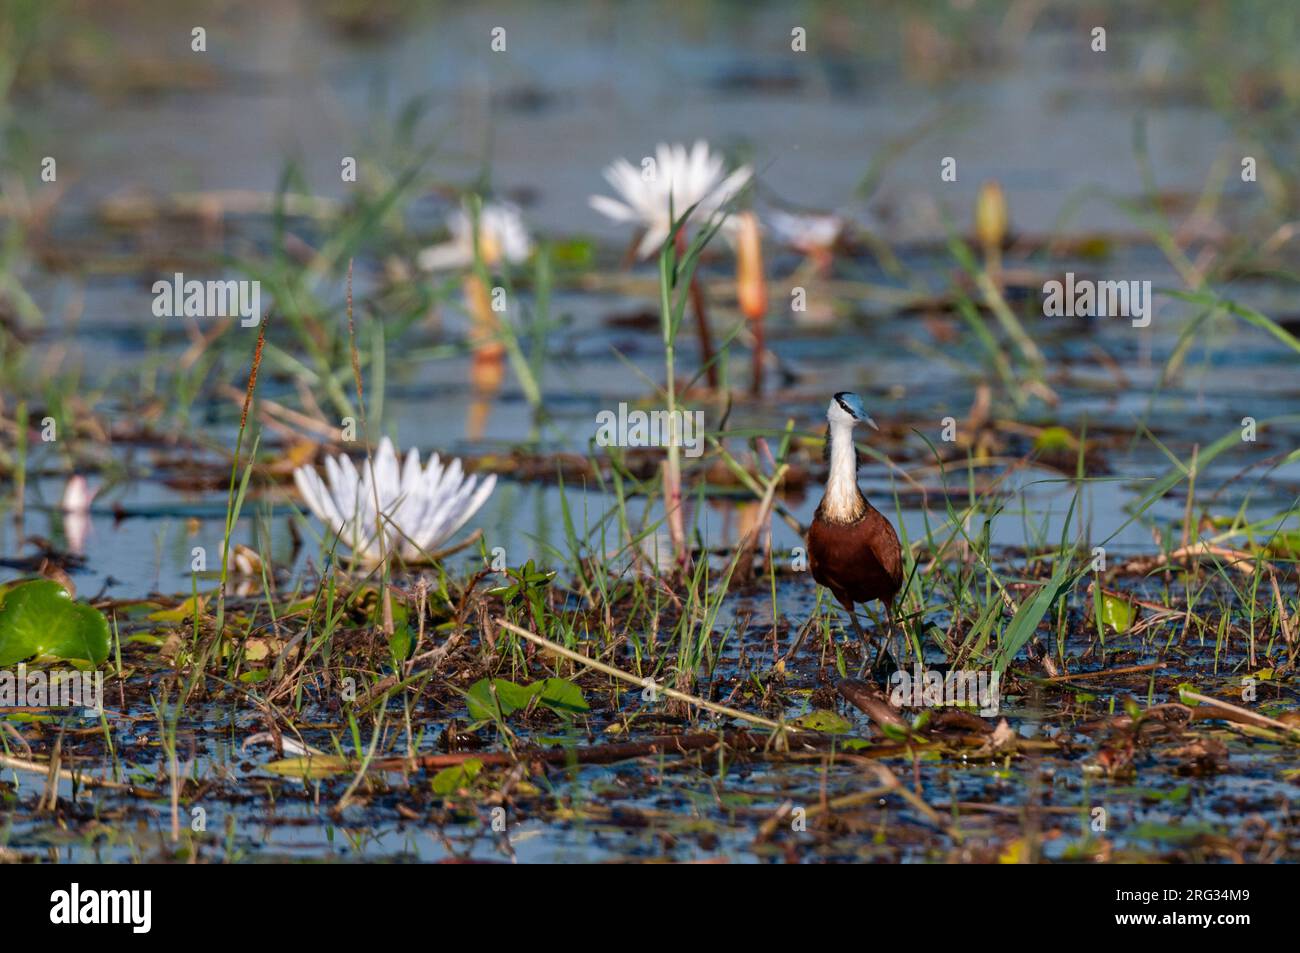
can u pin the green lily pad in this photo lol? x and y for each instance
(561, 695)
(1055, 440)
(40, 618)
(457, 778)
(830, 722)
(1117, 613)
(509, 696)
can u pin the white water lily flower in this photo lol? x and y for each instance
(501, 233)
(421, 507)
(805, 233)
(678, 180)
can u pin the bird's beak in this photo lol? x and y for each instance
(871, 423)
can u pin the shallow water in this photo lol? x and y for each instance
(685, 808)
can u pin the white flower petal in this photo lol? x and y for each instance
(652, 241)
(611, 209)
(445, 257)
(684, 179)
(473, 504)
(419, 507)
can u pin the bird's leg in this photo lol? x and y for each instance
(866, 642)
(888, 640)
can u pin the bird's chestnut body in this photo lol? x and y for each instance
(858, 561)
(853, 549)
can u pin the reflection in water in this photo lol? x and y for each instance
(75, 505)
(487, 370)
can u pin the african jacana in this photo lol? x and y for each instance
(852, 549)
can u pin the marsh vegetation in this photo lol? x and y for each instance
(621, 655)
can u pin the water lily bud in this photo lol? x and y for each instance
(991, 215)
(487, 372)
(751, 288)
(489, 247)
(485, 330)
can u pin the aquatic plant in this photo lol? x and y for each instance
(809, 233)
(39, 618)
(502, 236)
(676, 182)
(388, 508)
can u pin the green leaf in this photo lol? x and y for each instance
(40, 618)
(509, 696)
(1030, 613)
(1285, 544)
(186, 610)
(575, 253)
(457, 777)
(400, 644)
(562, 696)
(830, 722)
(1055, 440)
(1249, 315)
(310, 767)
(1117, 613)
(894, 732)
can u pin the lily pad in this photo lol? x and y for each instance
(40, 618)
(825, 720)
(1055, 440)
(1117, 613)
(561, 695)
(457, 778)
(509, 696)
(186, 610)
(1284, 545)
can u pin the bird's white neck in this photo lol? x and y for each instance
(842, 502)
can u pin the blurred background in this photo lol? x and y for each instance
(1013, 89)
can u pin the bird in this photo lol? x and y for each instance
(853, 549)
